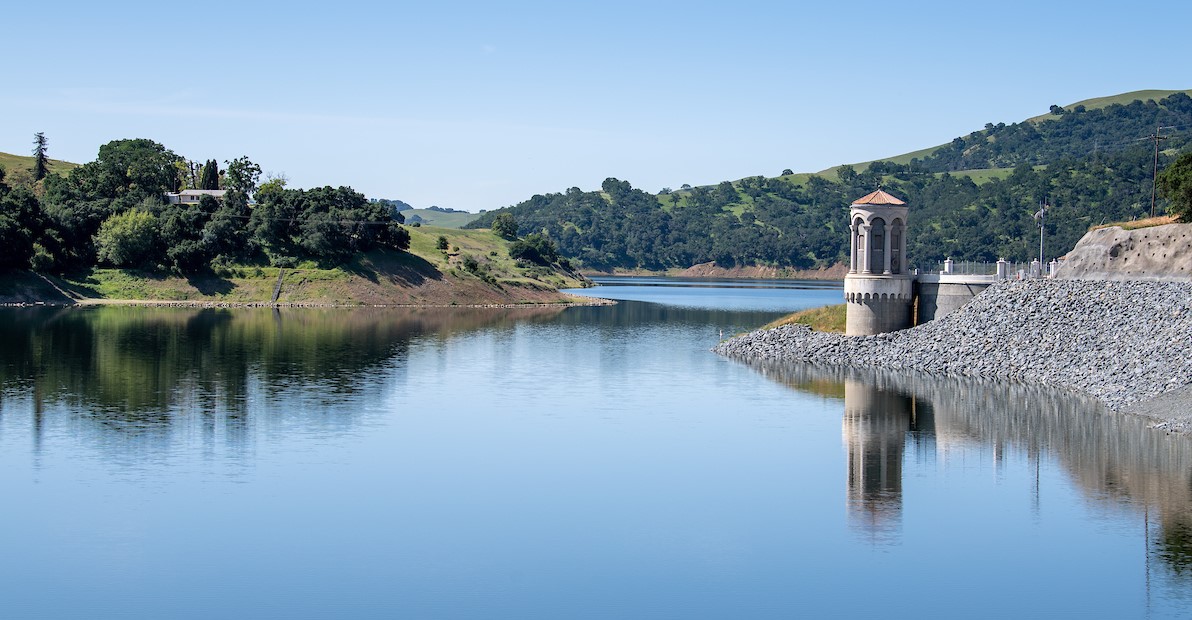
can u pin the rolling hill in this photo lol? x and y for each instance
(19, 163)
(442, 219)
(972, 199)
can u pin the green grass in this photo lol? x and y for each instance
(440, 219)
(491, 251)
(825, 319)
(13, 163)
(982, 176)
(1097, 103)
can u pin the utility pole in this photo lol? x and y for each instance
(1157, 137)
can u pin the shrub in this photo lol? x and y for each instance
(127, 239)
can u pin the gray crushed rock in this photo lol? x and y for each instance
(1122, 342)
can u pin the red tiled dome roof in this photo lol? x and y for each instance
(878, 198)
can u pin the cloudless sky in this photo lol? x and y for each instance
(478, 105)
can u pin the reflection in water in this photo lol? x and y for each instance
(1114, 459)
(133, 376)
(875, 427)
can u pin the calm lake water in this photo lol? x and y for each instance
(555, 463)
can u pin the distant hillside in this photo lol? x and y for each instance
(442, 218)
(14, 163)
(1099, 141)
(972, 199)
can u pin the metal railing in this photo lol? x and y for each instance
(1002, 269)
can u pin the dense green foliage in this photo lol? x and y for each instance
(127, 239)
(20, 222)
(209, 175)
(113, 211)
(802, 224)
(535, 248)
(505, 225)
(1073, 134)
(1176, 185)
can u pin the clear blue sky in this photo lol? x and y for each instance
(480, 105)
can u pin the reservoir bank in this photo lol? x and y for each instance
(1105, 328)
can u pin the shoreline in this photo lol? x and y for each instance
(1125, 344)
(711, 271)
(166, 303)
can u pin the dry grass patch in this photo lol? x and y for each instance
(825, 319)
(1143, 223)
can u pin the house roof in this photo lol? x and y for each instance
(200, 192)
(878, 198)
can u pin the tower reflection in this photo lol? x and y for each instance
(876, 426)
(892, 421)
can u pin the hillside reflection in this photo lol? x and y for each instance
(140, 371)
(1115, 460)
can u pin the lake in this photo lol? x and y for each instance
(584, 462)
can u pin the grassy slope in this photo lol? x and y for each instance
(824, 319)
(1092, 104)
(1104, 102)
(424, 276)
(12, 163)
(440, 219)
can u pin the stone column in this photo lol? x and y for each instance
(886, 250)
(852, 237)
(902, 248)
(866, 230)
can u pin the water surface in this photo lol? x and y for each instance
(549, 462)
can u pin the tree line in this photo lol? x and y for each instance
(114, 212)
(803, 224)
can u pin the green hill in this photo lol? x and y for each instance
(15, 163)
(1097, 103)
(442, 219)
(972, 199)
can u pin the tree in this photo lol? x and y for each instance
(442, 244)
(20, 224)
(505, 225)
(41, 163)
(242, 176)
(1176, 184)
(209, 175)
(535, 248)
(127, 239)
(787, 172)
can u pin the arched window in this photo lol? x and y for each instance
(877, 236)
(896, 247)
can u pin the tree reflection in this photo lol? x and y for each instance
(1114, 459)
(143, 372)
